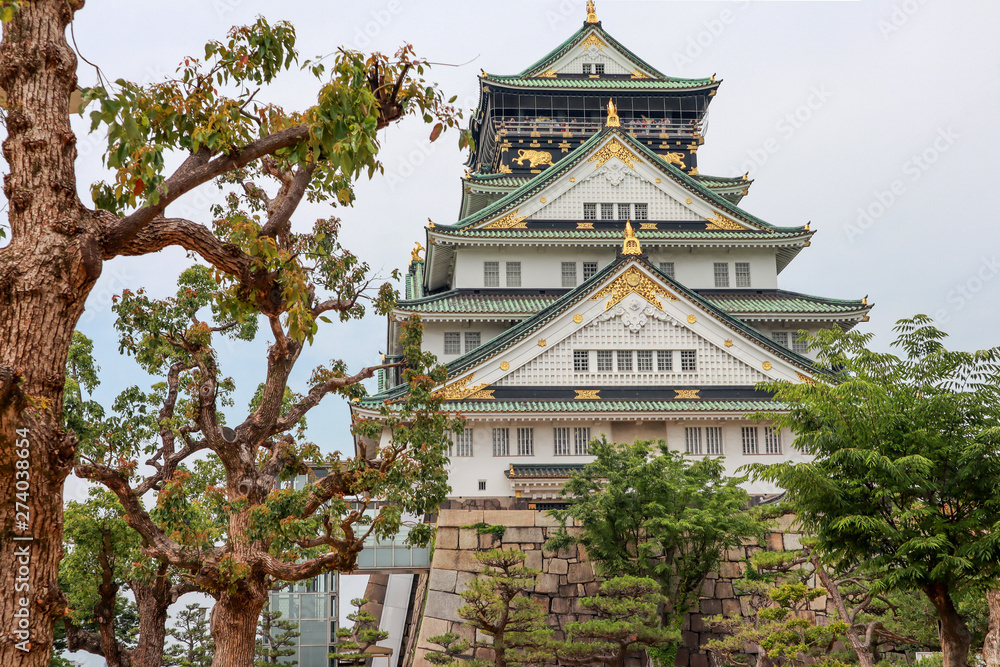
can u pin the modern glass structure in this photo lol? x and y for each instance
(314, 604)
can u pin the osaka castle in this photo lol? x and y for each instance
(595, 282)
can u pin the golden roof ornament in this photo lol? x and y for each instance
(630, 246)
(415, 253)
(612, 114)
(591, 12)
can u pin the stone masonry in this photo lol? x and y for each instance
(566, 576)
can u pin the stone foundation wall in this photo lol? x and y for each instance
(566, 576)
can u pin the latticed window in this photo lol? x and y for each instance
(581, 440)
(598, 68)
(452, 342)
(581, 361)
(800, 346)
(607, 211)
(624, 360)
(491, 274)
(526, 442)
(772, 440)
(721, 274)
(641, 212)
(482, 485)
(667, 268)
(569, 274)
(473, 339)
(692, 440)
(560, 436)
(742, 274)
(623, 211)
(689, 360)
(644, 361)
(750, 440)
(780, 337)
(590, 211)
(513, 274)
(501, 442)
(589, 269)
(664, 360)
(463, 443)
(713, 440)
(604, 361)
(586, 68)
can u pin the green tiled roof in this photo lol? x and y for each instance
(721, 181)
(605, 406)
(513, 303)
(414, 280)
(571, 233)
(542, 470)
(500, 180)
(530, 188)
(598, 84)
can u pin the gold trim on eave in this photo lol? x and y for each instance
(630, 246)
(612, 149)
(587, 395)
(510, 221)
(686, 394)
(459, 389)
(633, 281)
(719, 221)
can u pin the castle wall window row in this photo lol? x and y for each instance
(491, 274)
(453, 341)
(625, 211)
(628, 361)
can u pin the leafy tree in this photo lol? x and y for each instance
(497, 604)
(627, 620)
(903, 479)
(213, 117)
(353, 643)
(647, 511)
(194, 646)
(275, 640)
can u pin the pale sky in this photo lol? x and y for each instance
(874, 120)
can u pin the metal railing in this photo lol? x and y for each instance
(641, 127)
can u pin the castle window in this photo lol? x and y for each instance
(641, 212)
(590, 211)
(664, 360)
(623, 211)
(750, 440)
(598, 68)
(644, 361)
(586, 68)
(604, 361)
(473, 339)
(589, 269)
(624, 361)
(513, 274)
(713, 440)
(501, 442)
(581, 361)
(482, 485)
(561, 438)
(800, 346)
(569, 274)
(772, 440)
(667, 268)
(463, 443)
(780, 337)
(581, 440)
(689, 360)
(743, 274)
(525, 442)
(721, 274)
(452, 342)
(692, 440)
(607, 211)
(491, 274)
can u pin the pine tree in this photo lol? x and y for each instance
(194, 647)
(275, 639)
(355, 642)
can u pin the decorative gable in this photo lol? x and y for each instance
(592, 48)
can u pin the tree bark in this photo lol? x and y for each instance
(46, 272)
(955, 635)
(991, 645)
(234, 623)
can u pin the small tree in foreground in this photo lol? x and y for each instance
(194, 646)
(903, 480)
(647, 511)
(275, 640)
(353, 643)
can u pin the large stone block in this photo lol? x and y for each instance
(561, 605)
(510, 518)
(682, 658)
(458, 518)
(523, 534)
(445, 559)
(591, 588)
(580, 573)
(533, 559)
(489, 541)
(467, 562)
(443, 605)
(542, 519)
(447, 538)
(463, 580)
(468, 538)
(774, 542)
(689, 639)
(547, 583)
(724, 589)
(793, 541)
(711, 607)
(698, 660)
(558, 566)
(432, 627)
(707, 588)
(730, 607)
(443, 580)
(698, 622)
(736, 553)
(785, 523)
(731, 570)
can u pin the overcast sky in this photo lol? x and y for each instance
(874, 119)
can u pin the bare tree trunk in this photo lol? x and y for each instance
(955, 635)
(46, 272)
(153, 599)
(861, 646)
(234, 625)
(991, 646)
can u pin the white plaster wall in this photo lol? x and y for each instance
(605, 186)
(593, 54)
(434, 335)
(541, 268)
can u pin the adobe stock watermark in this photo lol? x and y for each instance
(22, 539)
(899, 16)
(379, 21)
(913, 169)
(711, 30)
(786, 127)
(965, 291)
